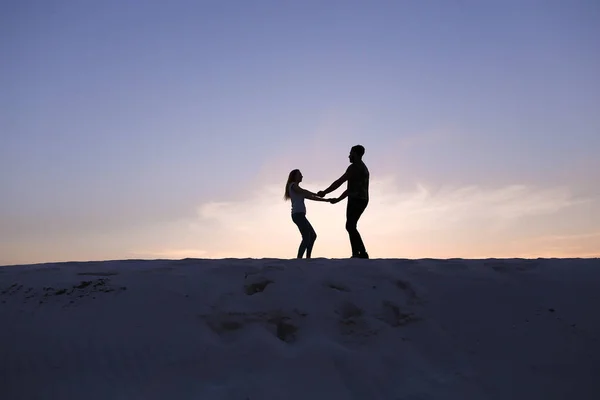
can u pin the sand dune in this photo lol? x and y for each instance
(298, 329)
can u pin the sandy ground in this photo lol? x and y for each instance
(296, 329)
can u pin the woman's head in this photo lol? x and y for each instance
(294, 176)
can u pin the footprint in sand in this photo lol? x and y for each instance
(406, 287)
(336, 286)
(99, 273)
(394, 317)
(225, 324)
(258, 286)
(352, 324)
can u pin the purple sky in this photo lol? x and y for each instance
(123, 122)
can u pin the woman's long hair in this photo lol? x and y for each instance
(291, 178)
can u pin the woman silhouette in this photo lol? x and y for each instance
(296, 194)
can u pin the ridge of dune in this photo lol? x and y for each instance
(298, 329)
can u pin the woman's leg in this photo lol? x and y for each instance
(312, 236)
(303, 226)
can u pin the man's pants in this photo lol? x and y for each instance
(354, 210)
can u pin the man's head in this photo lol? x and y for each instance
(356, 153)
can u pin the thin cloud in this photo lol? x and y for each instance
(569, 245)
(425, 208)
(423, 222)
(170, 253)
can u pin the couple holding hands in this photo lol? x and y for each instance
(357, 192)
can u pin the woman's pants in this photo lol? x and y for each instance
(308, 234)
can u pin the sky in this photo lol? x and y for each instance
(154, 129)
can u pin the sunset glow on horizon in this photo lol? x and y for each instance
(168, 130)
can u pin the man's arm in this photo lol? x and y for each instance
(337, 183)
(342, 197)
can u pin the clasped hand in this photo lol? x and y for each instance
(321, 193)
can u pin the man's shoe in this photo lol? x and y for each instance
(363, 255)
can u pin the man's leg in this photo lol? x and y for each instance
(354, 210)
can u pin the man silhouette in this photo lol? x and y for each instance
(357, 175)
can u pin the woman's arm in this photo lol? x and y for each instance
(303, 192)
(317, 198)
(307, 194)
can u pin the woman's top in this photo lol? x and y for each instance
(297, 200)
